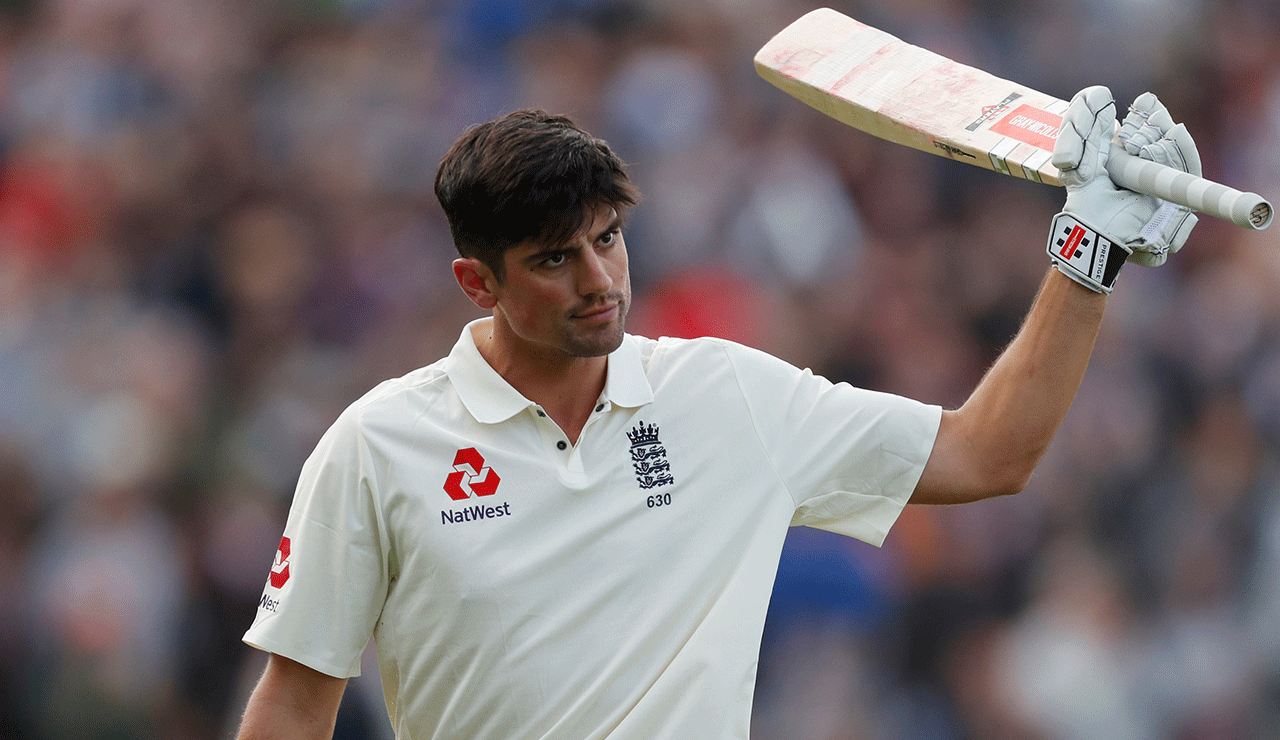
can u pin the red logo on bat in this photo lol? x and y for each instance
(470, 475)
(1037, 127)
(280, 569)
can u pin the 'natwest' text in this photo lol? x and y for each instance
(475, 513)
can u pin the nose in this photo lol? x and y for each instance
(594, 277)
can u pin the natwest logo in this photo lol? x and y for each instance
(470, 475)
(280, 568)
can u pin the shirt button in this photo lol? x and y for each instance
(561, 444)
(542, 413)
(600, 407)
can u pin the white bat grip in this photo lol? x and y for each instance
(1249, 210)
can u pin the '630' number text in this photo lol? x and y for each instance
(661, 499)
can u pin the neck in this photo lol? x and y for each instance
(565, 387)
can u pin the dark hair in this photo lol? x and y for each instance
(528, 175)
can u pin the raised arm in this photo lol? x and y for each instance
(292, 702)
(991, 445)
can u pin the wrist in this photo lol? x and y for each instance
(1084, 254)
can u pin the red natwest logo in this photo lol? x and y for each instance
(280, 569)
(470, 475)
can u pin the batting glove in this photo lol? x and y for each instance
(1149, 132)
(1103, 225)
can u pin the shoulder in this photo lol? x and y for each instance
(380, 425)
(396, 400)
(426, 381)
(712, 357)
(669, 350)
(707, 368)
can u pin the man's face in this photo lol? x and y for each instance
(570, 298)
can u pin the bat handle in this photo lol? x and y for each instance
(1249, 210)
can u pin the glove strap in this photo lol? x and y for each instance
(1083, 254)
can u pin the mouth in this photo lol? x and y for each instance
(606, 312)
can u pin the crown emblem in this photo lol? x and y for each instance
(643, 435)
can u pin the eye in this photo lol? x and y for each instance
(555, 259)
(607, 238)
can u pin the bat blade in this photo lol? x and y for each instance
(877, 83)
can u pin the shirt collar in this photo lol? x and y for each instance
(626, 384)
(491, 399)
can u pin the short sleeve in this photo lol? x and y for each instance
(849, 457)
(329, 580)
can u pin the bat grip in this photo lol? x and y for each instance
(1249, 210)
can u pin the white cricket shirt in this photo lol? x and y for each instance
(520, 587)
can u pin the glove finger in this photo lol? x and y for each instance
(1158, 117)
(1148, 133)
(1144, 104)
(1148, 121)
(1163, 152)
(1179, 138)
(1175, 149)
(1136, 117)
(1137, 136)
(1087, 127)
(1147, 109)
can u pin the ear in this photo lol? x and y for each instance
(477, 281)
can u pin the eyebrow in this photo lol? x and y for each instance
(614, 224)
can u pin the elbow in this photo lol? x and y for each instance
(1010, 477)
(972, 462)
(976, 483)
(1010, 484)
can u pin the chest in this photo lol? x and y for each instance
(489, 506)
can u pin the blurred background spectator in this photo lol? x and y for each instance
(217, 230)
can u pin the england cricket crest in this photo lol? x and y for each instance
(649, 457)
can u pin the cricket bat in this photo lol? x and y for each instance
(877, 83)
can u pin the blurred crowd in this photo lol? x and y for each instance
(217, 230)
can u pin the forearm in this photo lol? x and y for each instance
(268, 720)
(292, 702)
(992, 444)
(1016, 410)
